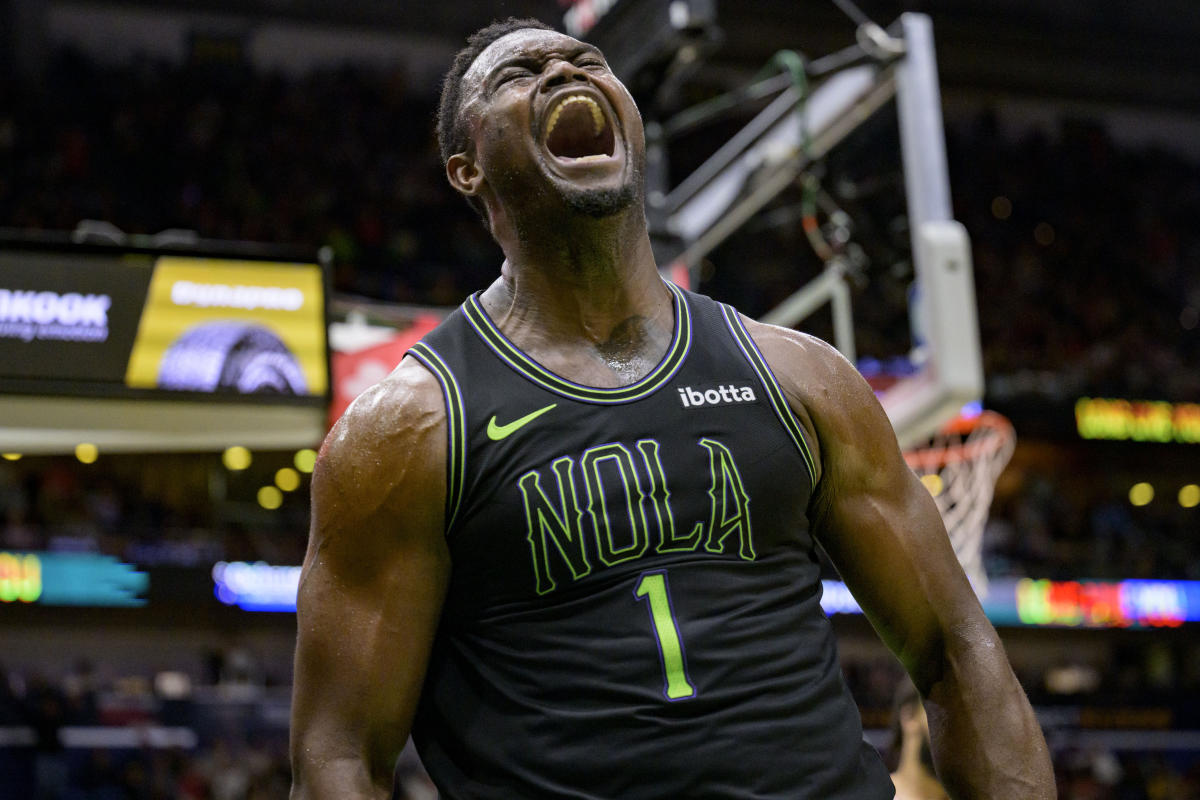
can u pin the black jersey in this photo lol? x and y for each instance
(634, 602)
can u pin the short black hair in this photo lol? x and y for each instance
(451, 133)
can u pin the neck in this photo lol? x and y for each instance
(578, 278)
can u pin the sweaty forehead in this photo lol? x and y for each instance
(526, 41)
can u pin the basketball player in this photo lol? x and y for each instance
(913, 775)
(570, 542)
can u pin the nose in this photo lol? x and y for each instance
(561, 72)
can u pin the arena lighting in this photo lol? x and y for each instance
(305, 460)
(933, 482)
(1140, 494)
(287, 479)
(87, 453)
(1068, 604)
(1043, 234)
(236, 458)
(1001, 207)
(270, 498)
(1189, 496)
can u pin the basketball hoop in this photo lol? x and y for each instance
(960, 466)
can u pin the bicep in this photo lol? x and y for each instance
(885, 535)
(875, 519)
(368, 606)
(360, 658)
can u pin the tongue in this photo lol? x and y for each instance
(575, 134)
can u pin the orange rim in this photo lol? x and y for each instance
(931, 458)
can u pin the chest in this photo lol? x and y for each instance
(558, 492)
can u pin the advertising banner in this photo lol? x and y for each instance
(69, 317)
(1068, 604)
(70, 579)
(133, 324)
(244, 326)
(354, 372)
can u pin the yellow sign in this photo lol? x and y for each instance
(1138, 420)
(245, 327)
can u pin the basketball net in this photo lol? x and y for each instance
(960, 466)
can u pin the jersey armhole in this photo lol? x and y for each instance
(456, 453)
(771, 386)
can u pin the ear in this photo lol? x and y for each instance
(464, 174)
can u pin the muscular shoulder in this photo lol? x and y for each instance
(825, 391)
(801, 362)
(387, 451)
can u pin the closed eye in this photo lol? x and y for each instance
(512, 74)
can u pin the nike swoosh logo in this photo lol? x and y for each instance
(497, 432)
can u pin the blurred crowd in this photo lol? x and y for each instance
(87, 735)
(1091, 247)
(1067, 527)
(1086, 253)
(1086, 767)
(1086, 258)
(161, 511)
(151, 510)
(1087, 261)
(341, 158)
(1093, 250)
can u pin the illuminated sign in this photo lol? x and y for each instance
(70, 579)
(836, 599)
(1039, 603)
(1074, 604)
(20, 578)
(219, 325)
(256, 587)
(30, 314)
(1104, 604)
(1138, 420)
(127, 324)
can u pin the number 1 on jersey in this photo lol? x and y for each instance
(652, 587)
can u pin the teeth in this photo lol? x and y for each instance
(593, 106)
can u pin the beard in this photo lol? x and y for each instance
(599, 203)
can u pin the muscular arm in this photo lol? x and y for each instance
(371, 589)
(886, 537)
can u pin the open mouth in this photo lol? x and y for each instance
(578, 129)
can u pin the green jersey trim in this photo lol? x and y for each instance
(456, 457)
(510, 354)
(774, 392)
